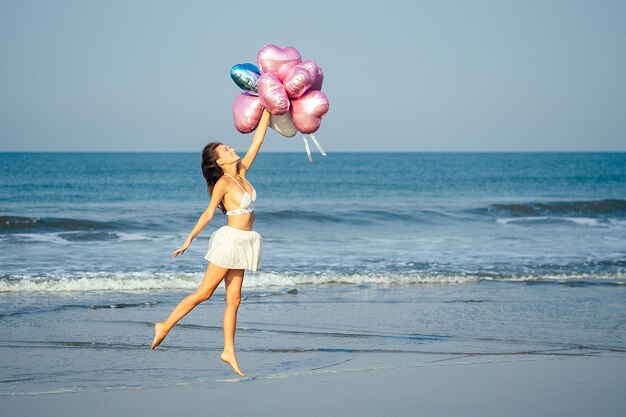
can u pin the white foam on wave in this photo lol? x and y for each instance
(144, 281)
(39, 237)
(507, 220)
(173, 281)
(131, 236)
(582, 221)
(102, 282)
(277, 279)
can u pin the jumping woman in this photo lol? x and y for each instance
(232, 248)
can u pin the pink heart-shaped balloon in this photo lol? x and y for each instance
(272, 94)
(247, 111)
(308, 110)
(278, 60)
(300, 79)
(319, 79)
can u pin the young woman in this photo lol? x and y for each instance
(232, 248)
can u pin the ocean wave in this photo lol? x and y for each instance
(19, 224)
(77, 237)
(573, 209)
(72, 229)
(355, 216)
(604, 213)
(596, 213)
(144, 281)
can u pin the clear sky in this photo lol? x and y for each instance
(400, 75)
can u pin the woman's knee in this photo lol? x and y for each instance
(233, 301)
(201, 295)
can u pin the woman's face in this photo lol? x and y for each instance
(227, 155)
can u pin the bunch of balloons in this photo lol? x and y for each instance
(288, 87)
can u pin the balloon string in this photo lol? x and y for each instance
(308, 150)
(319, 147)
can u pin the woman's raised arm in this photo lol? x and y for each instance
(257, 141)
(218, 193)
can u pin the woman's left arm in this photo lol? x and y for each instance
(257, 141)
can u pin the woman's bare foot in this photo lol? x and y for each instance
(230, 359)
(159, 335)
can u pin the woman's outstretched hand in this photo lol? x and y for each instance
(182, 249)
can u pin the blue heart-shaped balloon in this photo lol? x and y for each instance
(245, 76)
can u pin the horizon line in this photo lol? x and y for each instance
(342, 152)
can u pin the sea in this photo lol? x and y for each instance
(365, 256)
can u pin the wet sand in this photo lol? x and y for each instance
(373, 385)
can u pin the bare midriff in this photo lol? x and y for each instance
(241, 221)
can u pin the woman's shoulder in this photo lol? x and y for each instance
(222, 183)
(225, 182)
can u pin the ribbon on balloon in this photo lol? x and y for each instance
(289, 88)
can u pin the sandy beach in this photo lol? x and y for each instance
(373, 385)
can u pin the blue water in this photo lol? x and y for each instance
(366, 255)
(349, 216)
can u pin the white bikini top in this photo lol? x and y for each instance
(245, 205)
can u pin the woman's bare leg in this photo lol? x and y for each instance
(233, 283)
(212, 278)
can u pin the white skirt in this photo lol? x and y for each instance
(235, 249)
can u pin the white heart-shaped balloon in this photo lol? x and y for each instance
(283, 124)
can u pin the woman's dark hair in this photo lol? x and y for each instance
(211, 170)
